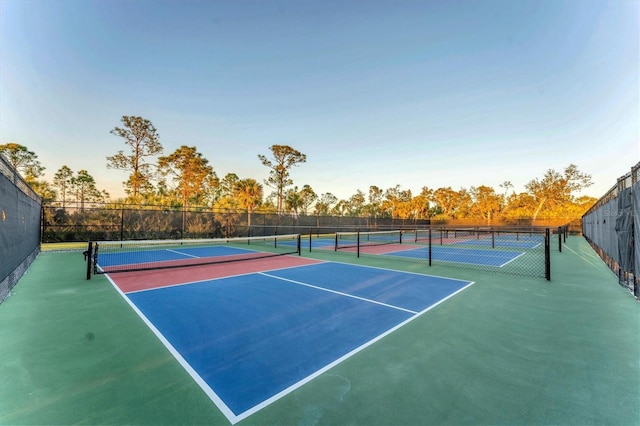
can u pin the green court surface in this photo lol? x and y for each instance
(507, 350)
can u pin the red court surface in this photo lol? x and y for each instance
(144, 280)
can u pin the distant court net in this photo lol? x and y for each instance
(125, 256)
(347, 240)
(523, 251)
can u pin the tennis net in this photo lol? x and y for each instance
(123, 256)
(346, 240)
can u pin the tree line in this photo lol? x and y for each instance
(184, 178)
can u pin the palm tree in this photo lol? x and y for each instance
(248, 192)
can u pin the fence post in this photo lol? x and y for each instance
(42, 224)
(122, 224)
(547, 254)
(226, 231)
(560, 239)
(431, 245)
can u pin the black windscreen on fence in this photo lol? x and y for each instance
(611, 227)
(20, 212)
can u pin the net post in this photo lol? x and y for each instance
(335, 246)
(299, 238)
(547, 254)
(493, 239)
(94, 259)
(88, 256)
(358, 243)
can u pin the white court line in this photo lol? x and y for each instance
(213, 396)
(338, 292)
(346, 356)
(198, 257)
(508, 262)
(183, 254)
(396, 270)
(582, 257)
(226, 411)
(220, 278)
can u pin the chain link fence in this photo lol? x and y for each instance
(71, 223)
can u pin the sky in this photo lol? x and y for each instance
(411, 93)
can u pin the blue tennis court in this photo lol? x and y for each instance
(319, 243)
(249, 339)
(148, 256)
(509, 242)
(498, 258)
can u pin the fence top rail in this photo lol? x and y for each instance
(626, 181)
(8, 171)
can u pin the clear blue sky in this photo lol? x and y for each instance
(410, 93)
